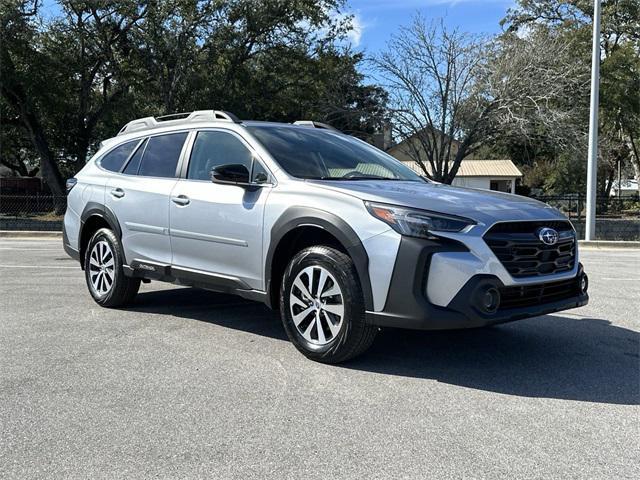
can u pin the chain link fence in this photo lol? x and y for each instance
(32, 212)
(574, 206)
(618, 218)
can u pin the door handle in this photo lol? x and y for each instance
(117, 192)
(181, 200)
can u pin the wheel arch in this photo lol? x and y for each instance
(95, 216)
(299, 227)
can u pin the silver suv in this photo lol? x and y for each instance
(340, 237)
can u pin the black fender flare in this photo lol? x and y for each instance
(295, 217)
(93, 209)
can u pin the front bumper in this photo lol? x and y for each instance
(407, 305)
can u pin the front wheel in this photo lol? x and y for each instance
(322, 306)
(105, 277)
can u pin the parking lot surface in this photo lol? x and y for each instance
(193, 384)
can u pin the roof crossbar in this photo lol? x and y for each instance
(148, 123)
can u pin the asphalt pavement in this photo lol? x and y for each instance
(193, 384)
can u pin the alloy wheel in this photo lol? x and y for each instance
(317, 305)
(101, 267)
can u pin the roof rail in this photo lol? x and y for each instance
(313, 124)
(148, 123)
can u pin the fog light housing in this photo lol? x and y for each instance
(488, 299)
(584, 283)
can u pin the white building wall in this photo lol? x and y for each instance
(473, 182)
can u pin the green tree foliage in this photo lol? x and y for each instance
(620, 79)
(71, 79)
(22, 84)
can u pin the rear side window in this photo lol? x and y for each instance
(161, 156)
(212, 149)
(114, 160)
(134, 163)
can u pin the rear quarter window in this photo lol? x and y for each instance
(134, 162)
(114, 160)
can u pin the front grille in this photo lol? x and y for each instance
(517, 246)
(531, 295)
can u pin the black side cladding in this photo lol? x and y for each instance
(94, 208)
(91, 209)
(407, 305)
(305, 216)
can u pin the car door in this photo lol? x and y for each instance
(139, 197)
(215, 228)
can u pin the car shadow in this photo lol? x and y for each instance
(228, 311)
(560, 356)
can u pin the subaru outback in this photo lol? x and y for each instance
(342, 238)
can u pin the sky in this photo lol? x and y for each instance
(376, 20)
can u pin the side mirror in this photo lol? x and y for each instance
(233, 173)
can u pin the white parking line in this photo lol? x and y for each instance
(34, 266)
(621, 278)
(32, 249)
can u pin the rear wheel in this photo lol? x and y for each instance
(322, 306)
(103, 270)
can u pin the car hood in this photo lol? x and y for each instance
(483, 206)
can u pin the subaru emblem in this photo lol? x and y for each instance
(548, 236)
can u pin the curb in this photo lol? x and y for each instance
(595, 244)
(29, 234)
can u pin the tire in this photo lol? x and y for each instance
(103, 261)
(341, 336)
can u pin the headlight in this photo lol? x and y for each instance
(417, 223)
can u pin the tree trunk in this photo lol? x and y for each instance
(20, 167)
(81, 150)
(13, 91)
(608, 183)
(48, 166)
(463, 151)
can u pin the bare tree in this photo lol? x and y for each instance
(451, 93)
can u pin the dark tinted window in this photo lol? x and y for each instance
(216, 148)
(114, 160)
(134, 163)
(321, 154)
(161, 156)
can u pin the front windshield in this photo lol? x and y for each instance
(325, 155)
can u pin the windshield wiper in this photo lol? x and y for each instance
(371, 177)
(364, 177)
